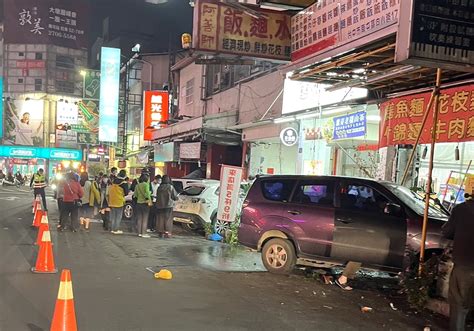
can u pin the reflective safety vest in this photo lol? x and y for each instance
(39, 181)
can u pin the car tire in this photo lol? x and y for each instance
(219, 226)
(278, 256)
(128, 211)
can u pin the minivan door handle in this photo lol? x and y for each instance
(345, 221)
(294, 212)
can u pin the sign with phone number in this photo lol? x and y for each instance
(350, 126)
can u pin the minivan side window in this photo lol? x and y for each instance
(363, 198)
(278, 189)
(314, 193)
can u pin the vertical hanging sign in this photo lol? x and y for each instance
(109, 94)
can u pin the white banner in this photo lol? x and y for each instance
(229, 193)
(190, 151)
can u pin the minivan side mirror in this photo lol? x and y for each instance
(392, 209)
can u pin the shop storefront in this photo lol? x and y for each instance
(268, 154)
(454, 150)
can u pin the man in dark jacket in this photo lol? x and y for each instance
(460, 229)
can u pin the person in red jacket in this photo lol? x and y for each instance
(71, 202)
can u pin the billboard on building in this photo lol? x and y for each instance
(402, 118)
(298, 96)
(437, 34)
(66, 113)
(221, 28)
(24, 122)
(58, 22)
(328, 24)
(109, 94)
(41, 153)
(155, 111)
(91, 89)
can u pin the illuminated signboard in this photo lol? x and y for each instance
(155, 110)
(41, 153)
(219, 27)
(109, 94)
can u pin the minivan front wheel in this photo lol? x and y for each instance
(278, 256)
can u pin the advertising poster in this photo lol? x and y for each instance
(66, 113)
(350, 126)
(91, 84)
(229, 193)
(24, 122)
(58, 22)
(109, 94)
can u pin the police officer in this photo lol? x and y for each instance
(460, 228)
(38, 183)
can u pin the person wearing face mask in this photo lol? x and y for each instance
(152, 216)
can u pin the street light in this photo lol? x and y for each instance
(136, 48)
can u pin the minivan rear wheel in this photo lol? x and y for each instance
(278, 256)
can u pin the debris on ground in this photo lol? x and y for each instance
(366, 309)
(328, 280)
(328, 307)
(392, 306)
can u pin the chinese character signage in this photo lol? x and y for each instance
(41, 153)
(24, 122)
(437, 34)
(402, 118)
(229, 193)
(222, 28)
(155, 110)
(66, 113)
(91, 84)
(350, 126)
(109, 94)
(327, 24)
(61, 23)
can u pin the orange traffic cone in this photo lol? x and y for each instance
(45, 259)
(38, 214)
(64, 318)
(44, 226)
(36, 203)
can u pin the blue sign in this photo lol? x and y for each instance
(1, 107)
(41, 153)
(350, 126)
(109, 94)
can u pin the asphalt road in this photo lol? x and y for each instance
(213, 287)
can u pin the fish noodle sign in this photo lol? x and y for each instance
(229, 193)
(402, 117)
(222, 28)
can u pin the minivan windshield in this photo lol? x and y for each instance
(415, 201)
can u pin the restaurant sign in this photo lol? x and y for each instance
(221, 28)
(402, 118)
(350, 126)
(330, 23)
(437, 34)
(229, 193)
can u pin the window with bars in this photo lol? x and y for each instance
(189, 91)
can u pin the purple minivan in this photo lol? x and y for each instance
(328, 220)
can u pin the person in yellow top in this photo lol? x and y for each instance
(117, 192)
(38, 183)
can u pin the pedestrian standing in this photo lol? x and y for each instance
(104, 208)
(60, 199)
(72, 199)
(90, 199)
(152, 216)
(117, 192)
(144, 201)
(460, 228)
(38, 183)
(166, 195)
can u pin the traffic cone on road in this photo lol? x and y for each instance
(38, 214)
(44, 226)
(45, 259)
(36, 203)
(64, 318)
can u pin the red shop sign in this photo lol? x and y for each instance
(402, 117)
(156, 111)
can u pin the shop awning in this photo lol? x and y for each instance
(371, 67)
